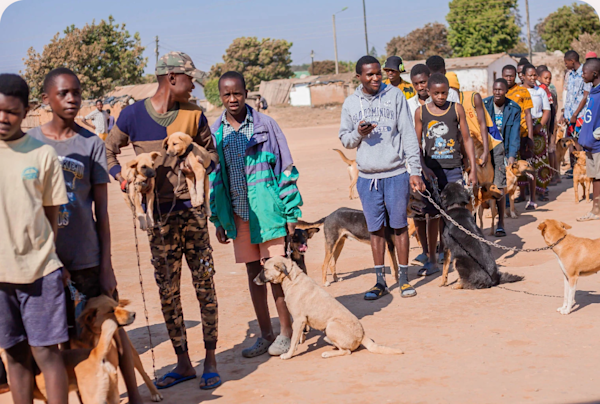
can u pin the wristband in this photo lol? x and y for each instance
(124, 185)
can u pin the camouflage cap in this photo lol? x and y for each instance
(178, 62)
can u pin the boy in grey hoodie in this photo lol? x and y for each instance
(377, 121)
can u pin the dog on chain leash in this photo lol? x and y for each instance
(473, 260)
(575, 257)
(513, 172)
(311, 305)
(352, 171)
(196, 159)
(140, 175)
(580, 176)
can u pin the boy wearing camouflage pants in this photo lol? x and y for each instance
(182, 230)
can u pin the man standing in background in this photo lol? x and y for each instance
(393, 68)
(99, 120)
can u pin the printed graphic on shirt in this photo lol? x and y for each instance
(442, 148)
(499, 118)
(587, 116)
(373, 115)
(30, 173)
(73, 171)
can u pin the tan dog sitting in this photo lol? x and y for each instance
(580, 177)
(577, 257)
(140, 174)
(513, 172)
(311, 305)
(196, 159)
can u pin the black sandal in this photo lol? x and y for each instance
(500, 232)
(376, 292)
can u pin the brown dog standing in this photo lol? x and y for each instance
(140, 173)
(196, 159)
(518, 168)
(580, 177)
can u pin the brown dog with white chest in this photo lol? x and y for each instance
(513, 172)
(577, 257)
(196, 159)
(580, 176)
(140, 174)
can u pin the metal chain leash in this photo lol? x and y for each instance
(478, 237)
(527, 293)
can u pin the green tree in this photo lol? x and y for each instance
(102, 55)
(265, 59)
(586, 43)
(566, 24)
(211, 91)
(327, 67)
(482, 27)
(421, 43)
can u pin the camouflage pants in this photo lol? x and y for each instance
(185, 233)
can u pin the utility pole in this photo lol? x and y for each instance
(156, 49)
(365, 17)
(312, 62)
(528, 32)
(337, 67)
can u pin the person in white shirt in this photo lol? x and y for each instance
(99, 120)
(419, 75)
(437, 64)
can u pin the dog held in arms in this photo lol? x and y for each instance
(140, 174)
(577, 257)
(311, 305)
(473, 260)
(196, 159)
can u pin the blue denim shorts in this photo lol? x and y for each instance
(384, 201)
(34, 312)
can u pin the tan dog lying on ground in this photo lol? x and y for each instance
(352, 171)
(311, 305)
(196, 159)
(93, 371)
(577, 257)
(91, 319)
(580, 177)
(140, 174)
(513, 172)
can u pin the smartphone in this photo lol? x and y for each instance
(364, 124)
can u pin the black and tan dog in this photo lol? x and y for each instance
(298, 245)
(473, 260)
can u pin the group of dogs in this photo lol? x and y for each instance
(92, 364)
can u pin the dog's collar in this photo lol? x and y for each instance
(187, 151)
(455, 206)
(558, 241)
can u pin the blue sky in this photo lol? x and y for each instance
(204, 29)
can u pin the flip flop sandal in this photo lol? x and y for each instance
(588, 217)
(500, 232)
(206, 377)
(543, 198)
(376, 292)
(421, 259)
(531, 206)
(260, 347)
(280, 346)
(172, 375)
(427, 270)
(406, 290)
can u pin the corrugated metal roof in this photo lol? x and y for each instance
(137, 92)
(463, 63)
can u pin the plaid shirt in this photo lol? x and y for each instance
(234, 148)
(575, 89)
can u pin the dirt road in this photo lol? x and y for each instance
(488, 346)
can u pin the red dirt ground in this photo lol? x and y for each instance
(487, 346)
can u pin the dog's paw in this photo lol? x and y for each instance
(443, 284)
(564, 310)
(150, 221)
(513, 215)
(143, 223)
(157, 397)
(327, 284)
(325, 355)
(285, 356)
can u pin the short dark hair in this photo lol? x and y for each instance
(437, 78)
(99, 101)
(523, 62)
(420, 69)
(436, 64)
(365, 60)
(572, 55)
(13, 85)
(529, 67)
(541, 69)
(594, 64)
(108, 111)
(509, 67)
(232, 75)
(51, 77)
(501, 81)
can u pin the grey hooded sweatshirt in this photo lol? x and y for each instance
(392, 147)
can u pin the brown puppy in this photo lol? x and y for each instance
(311, 305)
(513, 172)
(580, 177)
(352, 171)
(197, 160)
(91, 320)
(140, 173)
(577, 257)
(562, 147)
(485, 196)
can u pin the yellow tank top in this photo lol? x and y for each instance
(467, 100)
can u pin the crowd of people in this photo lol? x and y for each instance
(409, 136)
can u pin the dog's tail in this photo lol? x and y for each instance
(305, 225)
(505, 277)
(380, 349)
(343, 156)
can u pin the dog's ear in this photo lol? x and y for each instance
(164, 143)
(282, 268)
(123, 302)
(311, 232)
(88, 316)
(154, 155)
(565, 226)
(542, 226)
(132, 164)
(515, 165)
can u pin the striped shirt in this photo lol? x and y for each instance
(234, 149)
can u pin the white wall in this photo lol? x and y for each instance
(496, 67)
(474, 79)
(300, 95)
